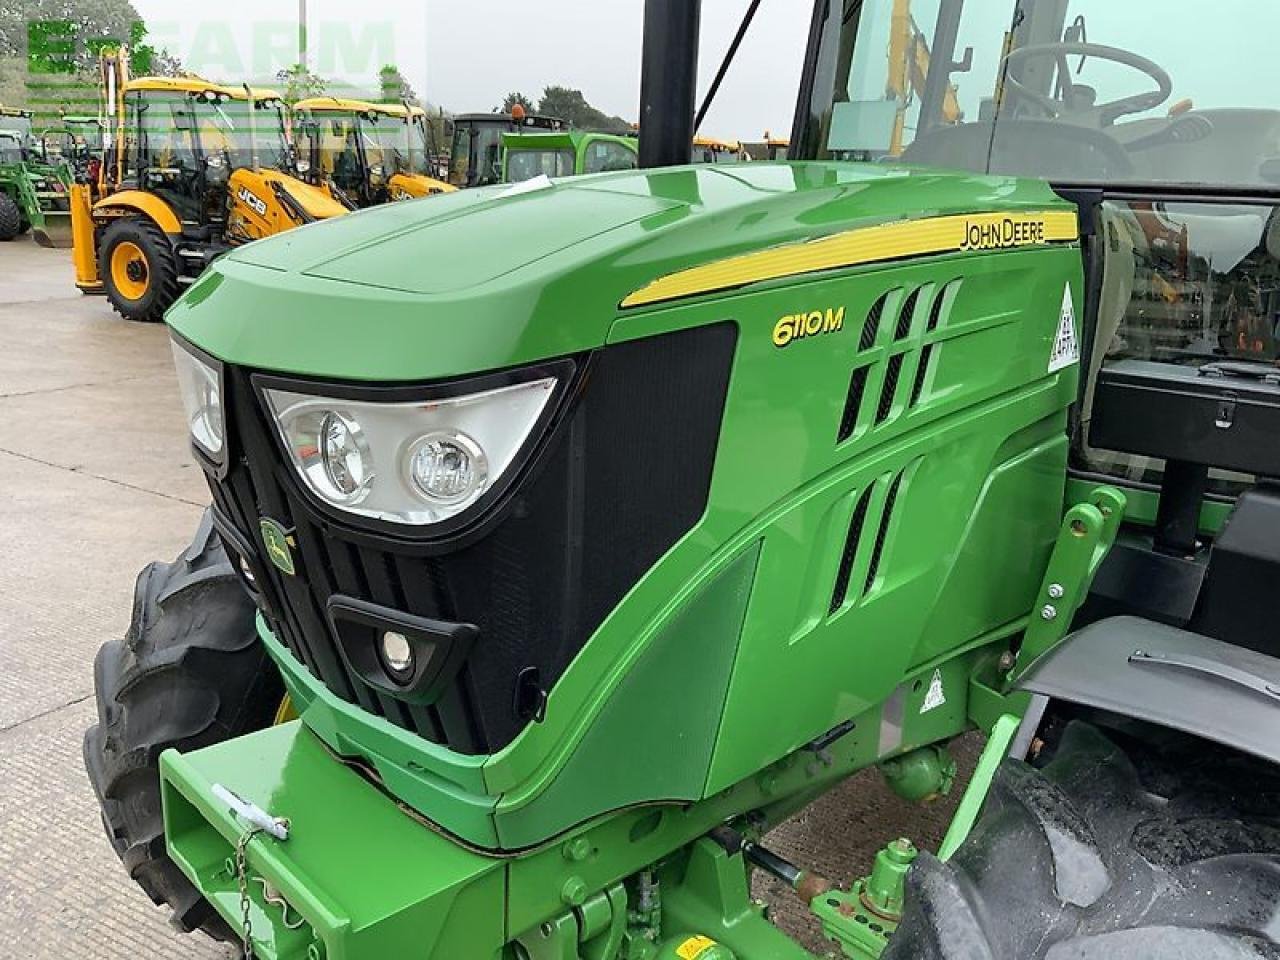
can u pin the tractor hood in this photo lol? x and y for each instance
(490, 278)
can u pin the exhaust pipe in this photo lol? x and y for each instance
(668, 81)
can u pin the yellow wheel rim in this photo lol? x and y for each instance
(130, 272)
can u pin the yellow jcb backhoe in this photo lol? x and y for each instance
(190, 168)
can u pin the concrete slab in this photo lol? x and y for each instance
(71, 548)
(63, 893)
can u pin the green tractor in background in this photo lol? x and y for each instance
(589, 556)
(565, 154)
(475, 151)
(76, 141)
(34, 187)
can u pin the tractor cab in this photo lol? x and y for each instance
(1172, 154)
(369, 153)
(475, 156)
(79, 140)
(566, 154)
(182, 139)
(10, 148)
(18, 123)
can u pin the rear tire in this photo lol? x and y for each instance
(139, 269)
(10, 218)
(189, 673)
(1118, 849)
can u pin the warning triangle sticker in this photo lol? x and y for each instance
(1066, 348)
(934, 697)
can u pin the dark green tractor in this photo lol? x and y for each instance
(597, 527)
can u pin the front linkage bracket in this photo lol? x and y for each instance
(1088, 531)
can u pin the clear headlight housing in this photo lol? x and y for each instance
(418, 462)
(200, 384)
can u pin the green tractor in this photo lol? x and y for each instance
(565, 154)
(588, 557)
(475, 149)
(34, 187)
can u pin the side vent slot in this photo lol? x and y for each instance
(852, 404)
(851, 542)
(871, 329)
(945, 297)
(922, 374)
(877, 552)
(906, 314)
(891, 376)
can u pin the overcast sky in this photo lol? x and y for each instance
(467, 56)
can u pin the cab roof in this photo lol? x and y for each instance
(192, 84)
(346, 105)
(574, 139)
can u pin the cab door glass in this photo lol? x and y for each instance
(607, 155)
(164, 158)
(1185, 283)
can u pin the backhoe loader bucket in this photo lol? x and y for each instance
(55, 231)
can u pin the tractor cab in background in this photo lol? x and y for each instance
(18, 123)
(368, 153)
(475, 156)
(79, 140)
(566, 154)
(190, 169)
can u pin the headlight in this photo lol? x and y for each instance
(418, 462)
(200, 384)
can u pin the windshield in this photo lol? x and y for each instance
(10, 150)
(476, 157)
(1074, 91)
(224, 128)
(393, 144)
(21, 125)
(527, 164)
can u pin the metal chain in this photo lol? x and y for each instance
(242, 879)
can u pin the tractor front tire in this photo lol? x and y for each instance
(1126, 845)
(10, 218)
(190, 672)
(139, 269)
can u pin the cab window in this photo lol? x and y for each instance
(604, 155)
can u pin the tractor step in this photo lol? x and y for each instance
(357, 876)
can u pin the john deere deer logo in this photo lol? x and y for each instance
(279, 545)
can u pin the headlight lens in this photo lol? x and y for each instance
(447, 468)
(201, 387)
(344, 459)
(416, 463)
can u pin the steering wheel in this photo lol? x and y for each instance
(1101, 115)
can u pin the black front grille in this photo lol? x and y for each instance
(624, 474)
